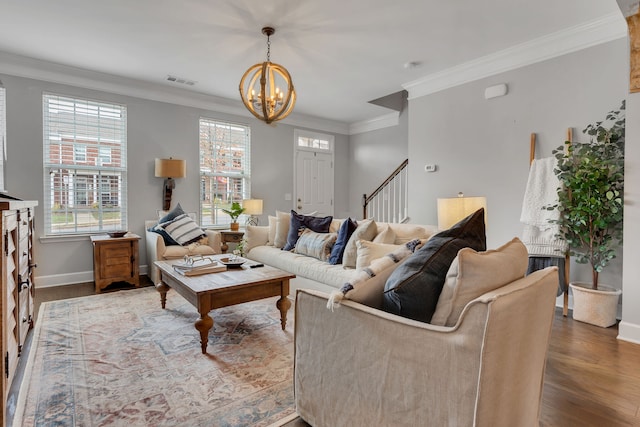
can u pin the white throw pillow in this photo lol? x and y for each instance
(255, 235)
(472, 274)
(366, 230)
(272, 230)
(283, 220)
(385, 235)
(370, 251)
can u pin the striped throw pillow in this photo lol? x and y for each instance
(316, 245)
(183, 230)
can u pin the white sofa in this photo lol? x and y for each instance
(313, 273)
(158, 251)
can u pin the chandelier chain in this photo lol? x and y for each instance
(268, 49)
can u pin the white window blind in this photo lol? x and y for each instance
(225, 169)
(3, 133)
(85, 191)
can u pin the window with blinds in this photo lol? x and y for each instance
(3, 133)
(225, 169)
(85, 165)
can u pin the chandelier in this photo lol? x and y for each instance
(266, 89)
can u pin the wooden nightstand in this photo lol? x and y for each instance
(227, 236)
(115, 259)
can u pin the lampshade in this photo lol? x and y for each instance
(171, 168)
(267, 89)
(453, 209)
(252, 206)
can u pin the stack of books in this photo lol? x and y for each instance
(197, 266)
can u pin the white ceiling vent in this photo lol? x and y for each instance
(180, 80)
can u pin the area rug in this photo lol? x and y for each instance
(119, 359)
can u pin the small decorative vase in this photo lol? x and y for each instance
(235, 226)
(596, 307)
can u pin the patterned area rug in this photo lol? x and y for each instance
(118, 359)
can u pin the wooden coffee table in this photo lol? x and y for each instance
(216, 290)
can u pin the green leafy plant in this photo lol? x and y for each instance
(590, 197)
(234, 211)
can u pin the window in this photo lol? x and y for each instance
(313, 141)
(3, 133)
(225, 169)
(85, 165)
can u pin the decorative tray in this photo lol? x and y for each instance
(118, 233)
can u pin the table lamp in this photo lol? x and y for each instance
(252, 207)
(453, 209)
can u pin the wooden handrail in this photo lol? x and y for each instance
(366, 199)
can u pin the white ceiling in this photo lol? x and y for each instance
(340, 53)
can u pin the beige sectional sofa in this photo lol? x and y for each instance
(312, 273)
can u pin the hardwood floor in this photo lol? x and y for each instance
(591, 379)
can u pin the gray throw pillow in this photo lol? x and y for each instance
(413, 289)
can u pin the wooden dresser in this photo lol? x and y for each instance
(16, 297)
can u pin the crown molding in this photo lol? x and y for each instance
(607, 28)
(21, 66)
(385, 121)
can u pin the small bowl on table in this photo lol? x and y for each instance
(117, 233)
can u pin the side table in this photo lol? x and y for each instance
(227, 236)
(115, 259)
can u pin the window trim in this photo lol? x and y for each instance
(106, 126)
(244, 174)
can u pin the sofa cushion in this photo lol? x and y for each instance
(183, 229)
(344, 233)
(366, 230)
(367, 252)
(413, 289)
(474, 273)
(283, 219)
(316, 245)
(302, 265)
(367, 285)
(301, 222)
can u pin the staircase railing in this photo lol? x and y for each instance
(389, 202)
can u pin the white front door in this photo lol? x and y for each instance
(313, 184)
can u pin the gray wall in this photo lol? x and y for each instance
(374, 156)
(482, 146)
(155, 129)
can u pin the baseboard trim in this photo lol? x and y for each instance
(70, 278)
(629, 332)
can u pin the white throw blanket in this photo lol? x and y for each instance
(539, 235)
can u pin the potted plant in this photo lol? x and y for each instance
(590, 203)
(234, 212)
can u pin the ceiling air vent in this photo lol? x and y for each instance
(180, 80)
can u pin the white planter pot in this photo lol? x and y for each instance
(596, 307)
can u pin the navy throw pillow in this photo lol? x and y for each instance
(168, 240)
(414, 287)
(299, 222)
(346, 230)
(173, 214)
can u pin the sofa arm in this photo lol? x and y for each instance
(155, 249)
(360, 363)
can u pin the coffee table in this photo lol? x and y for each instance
(215, 290)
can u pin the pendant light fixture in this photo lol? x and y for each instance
(266, 89)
